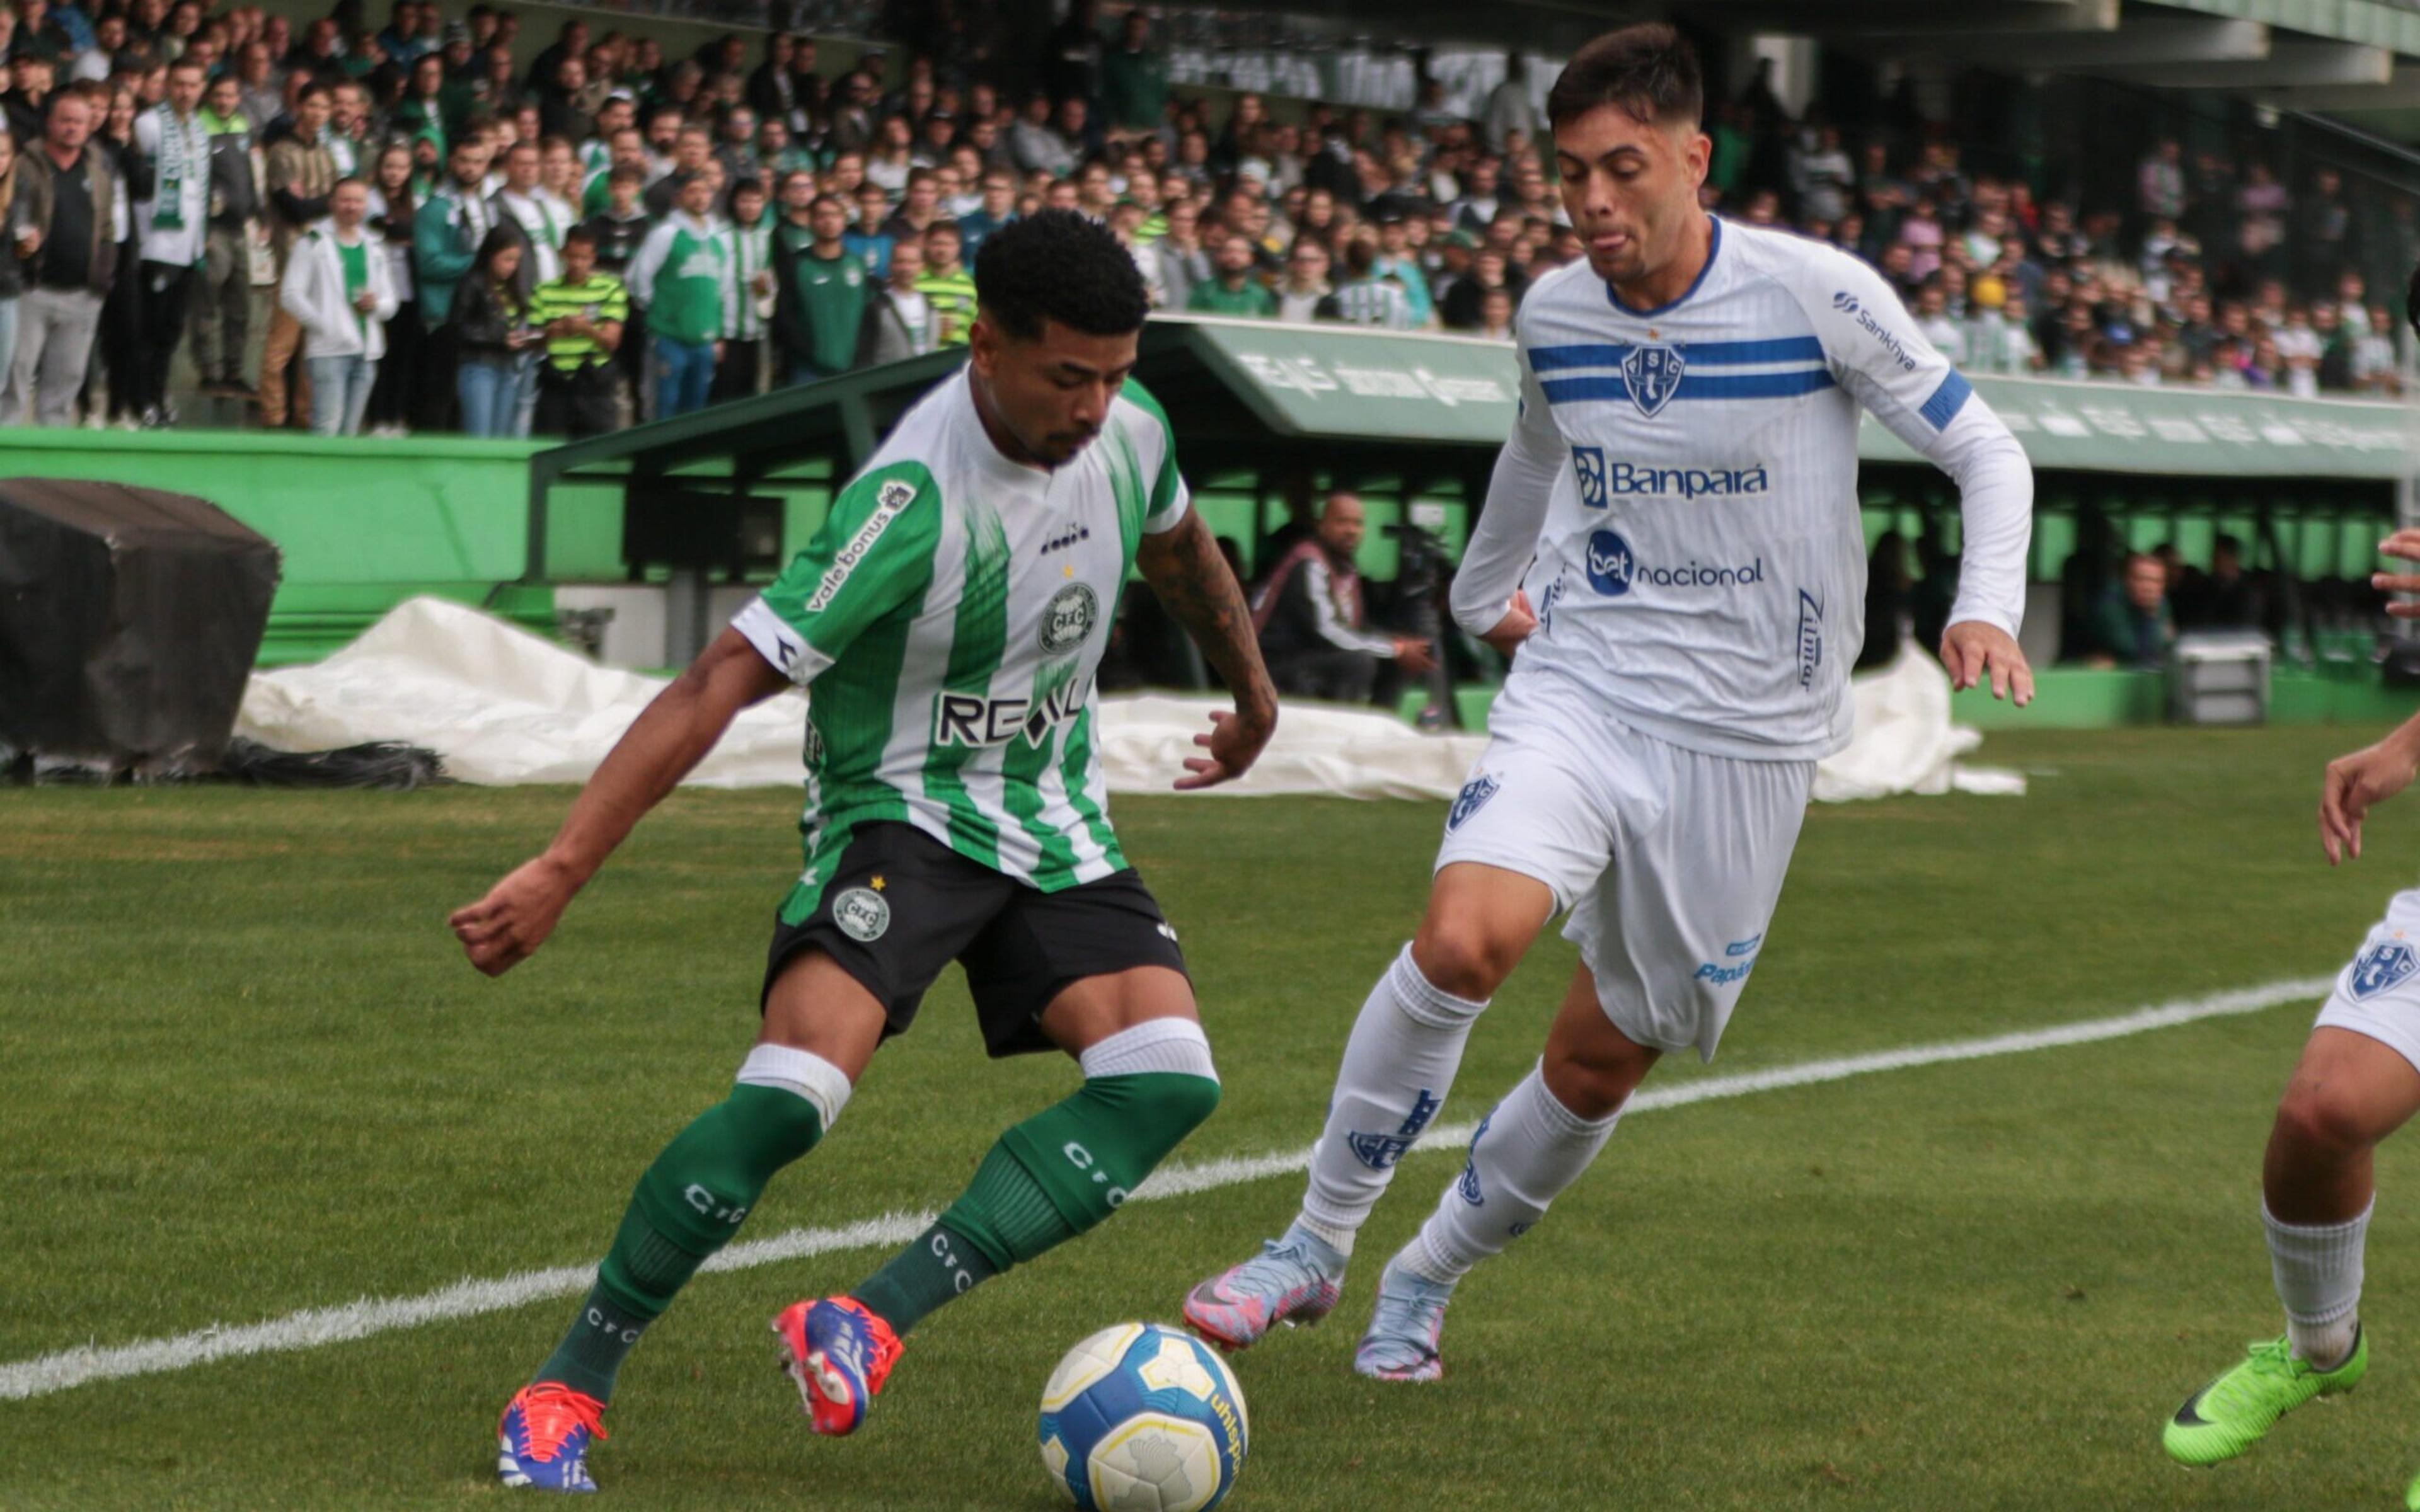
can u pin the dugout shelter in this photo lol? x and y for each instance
(1413, 421)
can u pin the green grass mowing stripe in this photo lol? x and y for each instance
(60, 1371)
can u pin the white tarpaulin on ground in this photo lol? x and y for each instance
(503, 707)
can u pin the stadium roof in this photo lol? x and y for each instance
(1263, 394)
(2359, 59)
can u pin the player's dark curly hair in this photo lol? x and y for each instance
(1056, 265)
(1649, 72)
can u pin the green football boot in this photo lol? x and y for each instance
(2234, 1413)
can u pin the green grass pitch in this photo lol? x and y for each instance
(243, 1071)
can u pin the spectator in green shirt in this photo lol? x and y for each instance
(583, 313)
(1231, 289)
(1134, 78)
(948, 284)
(819, 307)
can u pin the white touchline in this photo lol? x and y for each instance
(310, 1328)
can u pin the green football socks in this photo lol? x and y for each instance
(1047, 1180)
(688, 1205)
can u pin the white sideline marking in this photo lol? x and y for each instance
(318, 1326)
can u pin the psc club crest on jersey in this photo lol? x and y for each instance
(2382, 966)
(1651, 373)
(1069, 619)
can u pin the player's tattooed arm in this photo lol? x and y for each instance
(1193, 581)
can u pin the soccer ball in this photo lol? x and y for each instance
(1140, 1418)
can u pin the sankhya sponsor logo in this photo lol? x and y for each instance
(1850, 305)
(1614, 569)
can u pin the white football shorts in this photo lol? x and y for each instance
(1668, 860)
(2379, 992)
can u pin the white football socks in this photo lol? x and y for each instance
(1398, 1064)
(1523, 1157)
(2317, 1269)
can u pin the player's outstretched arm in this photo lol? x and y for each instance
(2353, 782)
(669, 738)
(1193, 581)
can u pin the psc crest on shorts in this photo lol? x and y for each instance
(1070, 617)
(1472, 798)
(863, 915)
(2382, 966)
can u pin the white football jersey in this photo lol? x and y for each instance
(1687, 478)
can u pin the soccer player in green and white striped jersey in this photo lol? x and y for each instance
(949, 618)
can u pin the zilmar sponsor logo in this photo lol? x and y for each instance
(1855, 308)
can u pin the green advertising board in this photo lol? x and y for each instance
(1370, 385)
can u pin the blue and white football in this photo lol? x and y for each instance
(1141, 1418)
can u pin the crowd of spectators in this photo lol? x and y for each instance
(416, 231)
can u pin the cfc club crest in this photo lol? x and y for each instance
(1652, 375)
(1069, 618)
(1472, 798)
(2382, 966)
(863, 915)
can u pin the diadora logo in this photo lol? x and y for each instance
(1631, 479)
(1381, 1151)
(965, 719)
(1589, 463)
(1848, 304)
(1651, 373)
(2382, 966)
(1614, 569)
(1061, 542)
(1810, 636)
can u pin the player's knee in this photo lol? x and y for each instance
(1593, 1081)
(1190, 1101)
(2313, 1119)
(1459, 954)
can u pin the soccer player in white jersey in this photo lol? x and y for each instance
(2358, 1082)
(949, 618)
(1679, 500)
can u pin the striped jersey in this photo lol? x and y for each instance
(949, 618)
(601, 298)
(952, 295)
(1682, 490)
(1373, 301)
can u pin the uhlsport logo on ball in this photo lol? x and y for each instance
(1141, 1418)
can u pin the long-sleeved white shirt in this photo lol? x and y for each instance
(1679, 495)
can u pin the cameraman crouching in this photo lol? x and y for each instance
(1311, 620)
